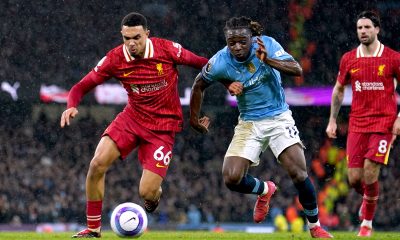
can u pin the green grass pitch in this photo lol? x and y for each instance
(203, 235)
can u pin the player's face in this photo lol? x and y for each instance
(239, 43)
(366, 31)
(135, 39)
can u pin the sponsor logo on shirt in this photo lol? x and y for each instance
(354, 70)
(369, 86)
(143, 88)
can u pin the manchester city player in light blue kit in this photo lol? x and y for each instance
(250, 66)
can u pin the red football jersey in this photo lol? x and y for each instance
(373, 82)
(151, 82)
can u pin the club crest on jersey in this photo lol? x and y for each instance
(381, 68)
(159, 69)
(251, 68)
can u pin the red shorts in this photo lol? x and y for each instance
(373, 146)
(155, 147)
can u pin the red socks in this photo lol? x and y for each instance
(370, 200)
(93, 214)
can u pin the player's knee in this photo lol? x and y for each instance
(355, 182)
(232, 178)
(97, 166)
(298, 176)
(148, 193)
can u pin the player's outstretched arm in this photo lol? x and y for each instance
(336, 103)
(196, 99)
(289, 67)
(90, 81)
(67, 115)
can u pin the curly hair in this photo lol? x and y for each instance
(244, 22)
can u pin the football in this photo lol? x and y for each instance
(128, 220)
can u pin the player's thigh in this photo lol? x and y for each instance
(247, 143)
(379, 145)
(124, 131)
(155, 150)
(283, 134)
(106, 153)
(356, 148)
(293, 161)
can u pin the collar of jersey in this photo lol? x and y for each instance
(239, 63)
(148, 53)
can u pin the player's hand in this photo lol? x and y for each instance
(200, 125)
(331, 129)
(67, 115)
(235, 88)
(261, 52)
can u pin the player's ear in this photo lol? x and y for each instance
(147, 32)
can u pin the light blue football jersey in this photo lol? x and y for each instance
(263, 95)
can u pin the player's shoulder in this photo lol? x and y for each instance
(162, 42)
(116, 52)
(391, 52)
(267, 39)
(349, 55)
(217, 63)
(220, 58)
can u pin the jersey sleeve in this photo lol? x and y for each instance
(213, 71)
(97, 76)
(397, 67)
(104, 67)
(275, 50)
(342, 76)
(182, 56)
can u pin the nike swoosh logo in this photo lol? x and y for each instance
(379, 155)
(128, 73)
(354, 70)
(133, 218)
(160, 166)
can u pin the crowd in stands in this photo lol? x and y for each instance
(44, 168)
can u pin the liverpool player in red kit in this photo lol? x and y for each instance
(371, 69)
(146, 67)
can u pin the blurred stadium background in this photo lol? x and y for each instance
(47, 46)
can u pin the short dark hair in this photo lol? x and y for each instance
(374, 17)
(134, 19)
(244, 22)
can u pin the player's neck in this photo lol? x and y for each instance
(369, 50)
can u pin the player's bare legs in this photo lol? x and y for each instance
(105, 155)
(236, 178)
(294, 162)
(370, 177)
(233, 170)
(150, 189)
